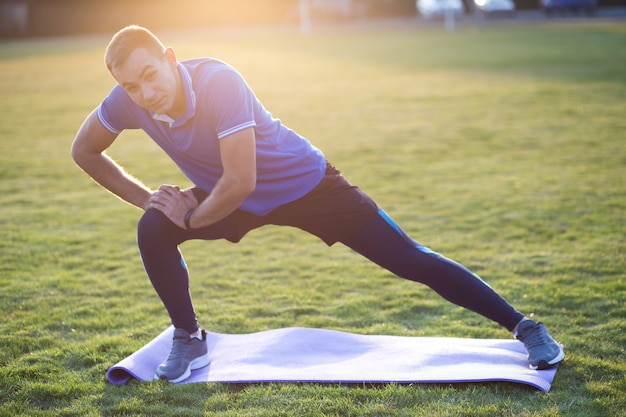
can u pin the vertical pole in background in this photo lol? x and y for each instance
(449, 19)
(305, 16)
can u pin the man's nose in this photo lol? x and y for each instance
(147, 91)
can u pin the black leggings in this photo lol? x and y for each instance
(383, 242)
(380, 240)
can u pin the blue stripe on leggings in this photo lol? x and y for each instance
(395, 226)
(182, 262)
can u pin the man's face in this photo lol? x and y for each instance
(150, 81)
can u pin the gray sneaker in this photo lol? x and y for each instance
(187, 354)
(543, 351)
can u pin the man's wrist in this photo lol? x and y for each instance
(187, 219)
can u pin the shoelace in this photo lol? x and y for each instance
(178, 348)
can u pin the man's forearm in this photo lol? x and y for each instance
(223, 200)
(112, 176)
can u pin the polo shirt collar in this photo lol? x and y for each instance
(190, 99)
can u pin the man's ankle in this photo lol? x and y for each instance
(517, 325)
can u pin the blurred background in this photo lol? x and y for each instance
(37, 18)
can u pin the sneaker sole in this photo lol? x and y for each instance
(547, 364)
(198, 363)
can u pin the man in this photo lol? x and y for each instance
(247, 170)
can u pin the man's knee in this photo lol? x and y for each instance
(153, 226)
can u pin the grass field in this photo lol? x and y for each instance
(502, 147)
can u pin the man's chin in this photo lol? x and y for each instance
(159, 107)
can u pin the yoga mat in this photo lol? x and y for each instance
(317, 355)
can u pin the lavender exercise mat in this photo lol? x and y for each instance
(317, 355)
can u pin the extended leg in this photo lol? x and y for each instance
(384, 243)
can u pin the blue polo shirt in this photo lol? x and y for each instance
(220, 103)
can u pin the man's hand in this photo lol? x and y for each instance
(174, 203)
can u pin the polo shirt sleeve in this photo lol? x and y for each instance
(117, 111)
(230, 103)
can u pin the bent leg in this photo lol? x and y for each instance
(158, 239)
(384, 243)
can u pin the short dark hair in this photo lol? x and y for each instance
(126, 41)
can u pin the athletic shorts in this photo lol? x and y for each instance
(332, 211)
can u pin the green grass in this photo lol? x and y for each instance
(502, 147)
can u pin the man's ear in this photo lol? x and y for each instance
(170, 56)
